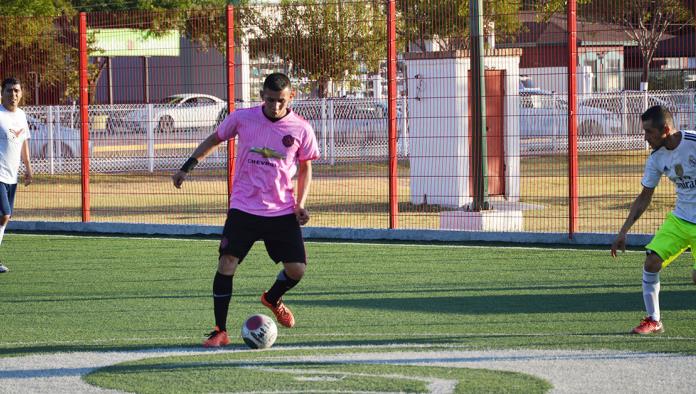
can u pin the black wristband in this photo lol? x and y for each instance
(190, 164)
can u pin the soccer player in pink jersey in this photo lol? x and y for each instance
(273, 143)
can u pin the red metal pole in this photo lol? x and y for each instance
(230, 96)
(392, 97)
(84, 117)
(572, 120)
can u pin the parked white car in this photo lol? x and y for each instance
(177, 112)
(66, 140)
(634, 103)
(543, 114)
(354, 121)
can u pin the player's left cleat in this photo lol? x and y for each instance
(281, 312)
(3, 269)
(217, 338)
(648, 326)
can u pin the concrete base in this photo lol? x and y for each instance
(491, 220)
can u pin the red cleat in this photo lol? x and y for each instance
(217, 338)
(648, 326)
(281, 312)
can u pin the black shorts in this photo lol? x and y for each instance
(7, 197)
(281, 235)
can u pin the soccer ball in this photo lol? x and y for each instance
(259, 331)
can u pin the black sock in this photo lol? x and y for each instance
(222, 294)
(282, 284)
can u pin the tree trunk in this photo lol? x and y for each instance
(323, 86)
(101, 62)
(645, 74)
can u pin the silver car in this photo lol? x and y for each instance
(354, 121)
(543, 114)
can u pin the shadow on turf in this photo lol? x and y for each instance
(431, 289)
(488, 304)
(235, 346)
(254, 295)
(556, 341)
(511, 304)
(24, 350)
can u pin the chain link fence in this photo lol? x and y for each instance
(149, 137)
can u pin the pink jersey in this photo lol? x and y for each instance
(267, 157)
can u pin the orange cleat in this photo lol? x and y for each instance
(648, 326)
(217, 338)
(281, 312)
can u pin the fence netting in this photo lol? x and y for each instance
(158, 86)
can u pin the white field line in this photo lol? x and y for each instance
(569, 371)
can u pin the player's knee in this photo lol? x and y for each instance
(295, 270)
(4, 219)
(653, 263)
(227, 264)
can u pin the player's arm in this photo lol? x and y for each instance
(640, 204)
(304, 179)
(202, 151)
(28, 172)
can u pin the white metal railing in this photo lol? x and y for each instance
(606, 121)
(137, 137)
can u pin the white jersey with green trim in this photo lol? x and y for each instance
(679, 165)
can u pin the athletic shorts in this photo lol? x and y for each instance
(673, 238)
(7, 197)
(282, 236)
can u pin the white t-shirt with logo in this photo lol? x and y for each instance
(14, 130)
(679, 165)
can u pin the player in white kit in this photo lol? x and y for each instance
(14, 146)
(673, 155)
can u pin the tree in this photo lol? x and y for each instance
(644, 21)
(33, 44)
(155, 17)
(322, 40)
(40, 38)
(446, 22)
(186, 16)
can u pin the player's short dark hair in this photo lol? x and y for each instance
(10, 81)
(277, 82)
(659, 116)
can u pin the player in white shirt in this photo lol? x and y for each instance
(14, 145)
(673, 155)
